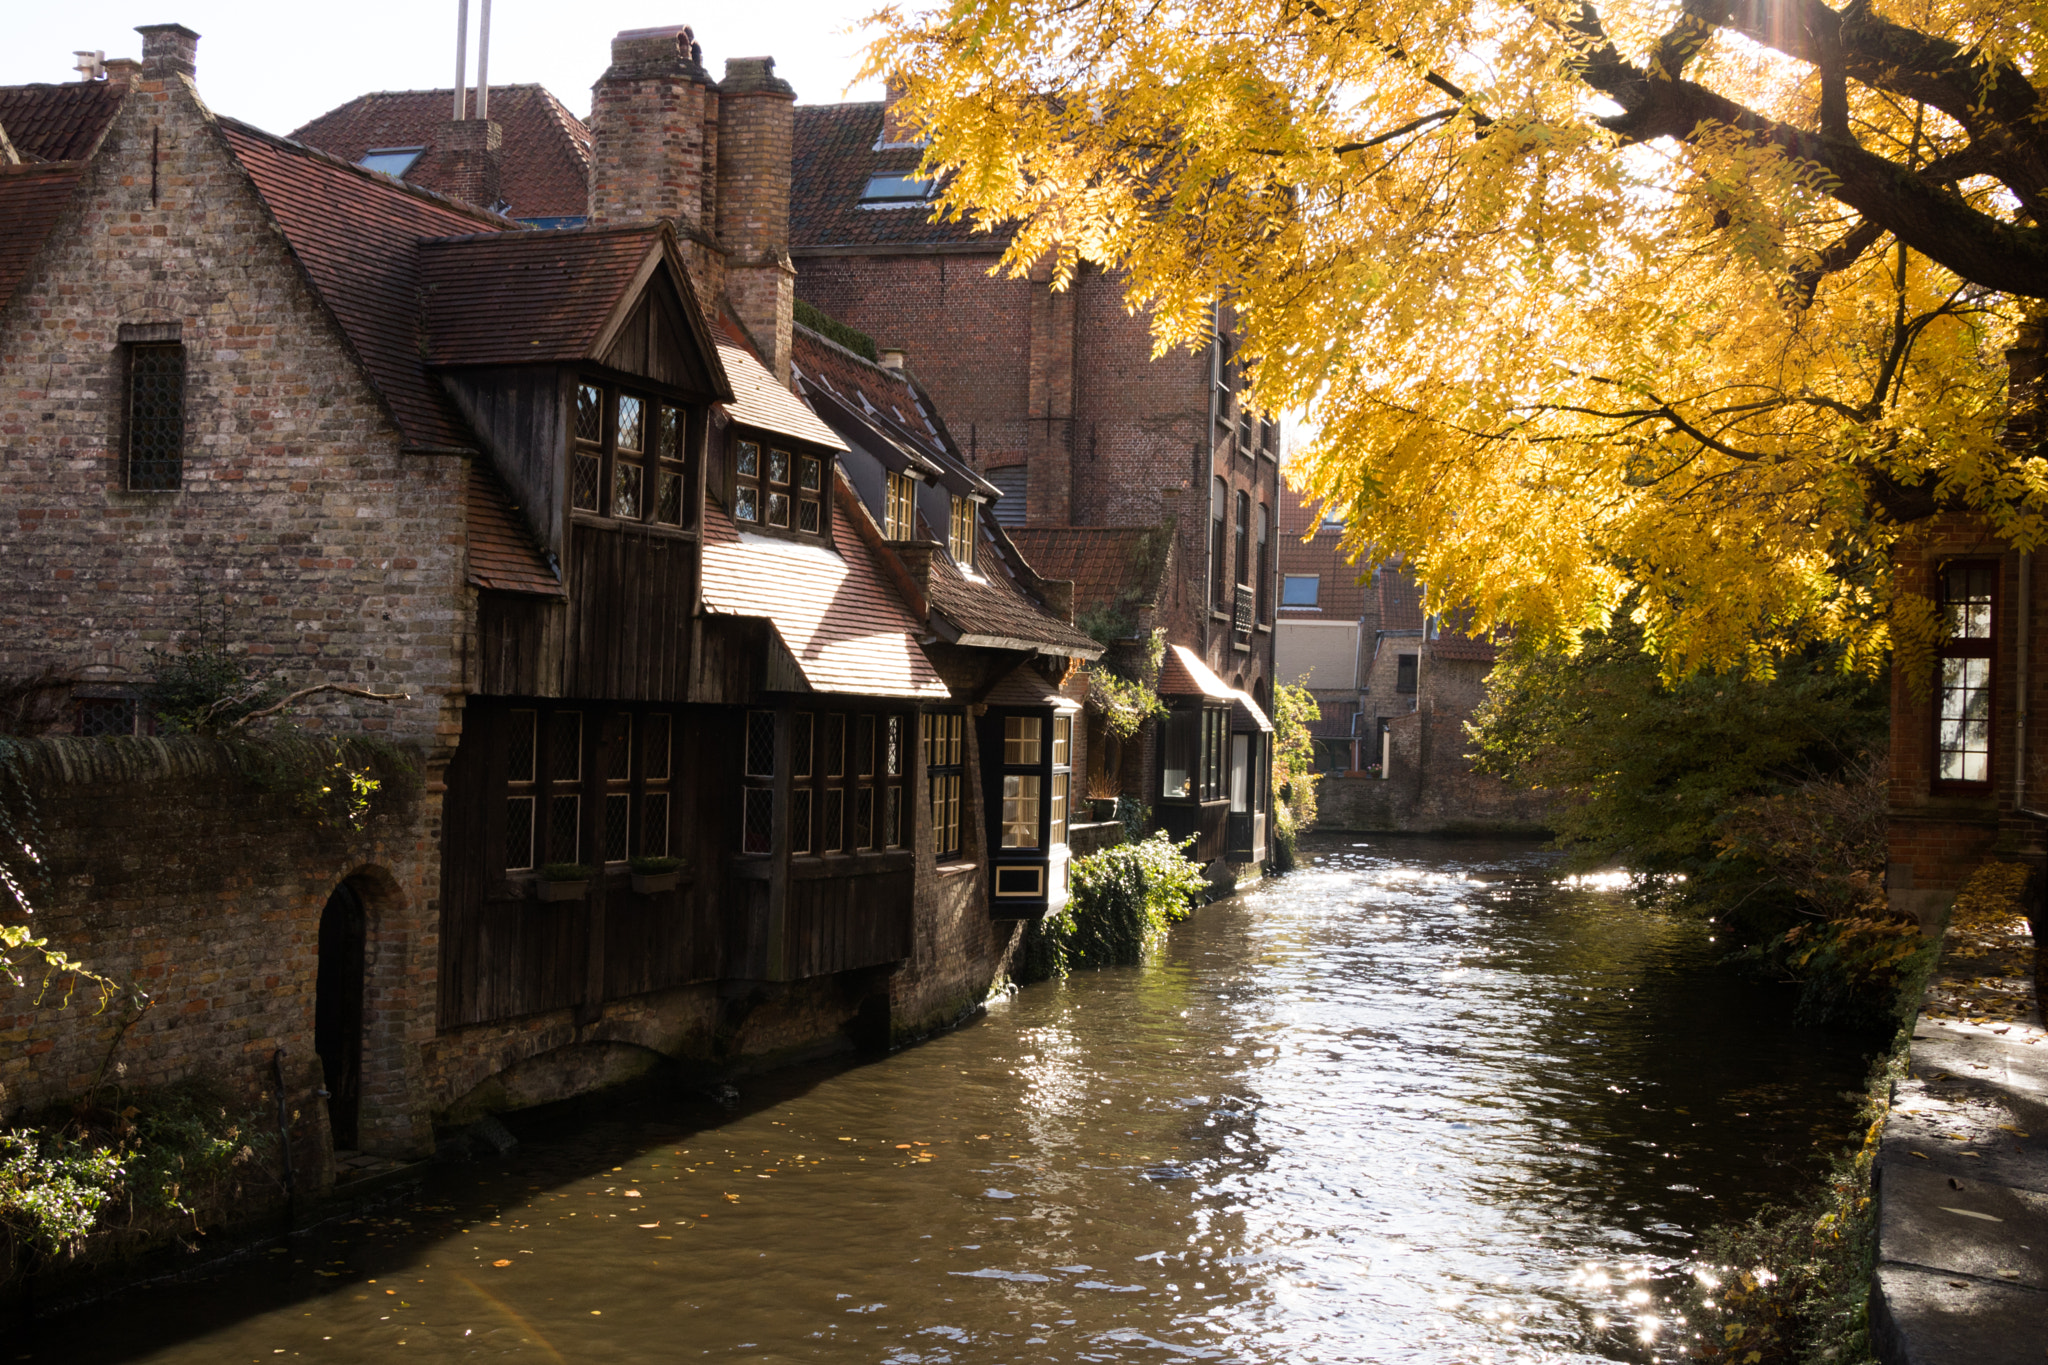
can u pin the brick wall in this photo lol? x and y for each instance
(1937, 838)
(337, 559)
(168, 870)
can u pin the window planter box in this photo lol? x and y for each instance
(561, 891)
(649, 883)
(1102, 808)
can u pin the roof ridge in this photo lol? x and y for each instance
(30, 167)
(376, 177)
(580, 131)
(652, 226)
(845, 104)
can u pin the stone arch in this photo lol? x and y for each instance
(575, 1068)
(389, 1118)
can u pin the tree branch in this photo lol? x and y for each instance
(306, 692)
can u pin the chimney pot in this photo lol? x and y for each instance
(168, 50)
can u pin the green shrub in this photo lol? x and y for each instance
(1124, 898)
(165, 1152)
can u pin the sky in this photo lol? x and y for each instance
(279, 63)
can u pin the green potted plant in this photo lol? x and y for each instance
(1103, 791)
(655, 874)
(563, 882)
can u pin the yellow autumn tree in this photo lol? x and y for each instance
(1709, 298)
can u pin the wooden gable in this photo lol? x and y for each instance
(655, 342)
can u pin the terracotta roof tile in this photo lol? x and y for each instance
(546, 156)
(1112, 567)
(758, 401)
(31, 199)
(1183, 674)
(355, 233)
(509, 298)
(1400, 599)
(59, 122)
(503, 553)
(1464, 647)
(833, 609)
(989, 604)
(832, 155)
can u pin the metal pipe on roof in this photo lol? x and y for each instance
(461, 57)
(483, 62)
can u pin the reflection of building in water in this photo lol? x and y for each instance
(1396, 687)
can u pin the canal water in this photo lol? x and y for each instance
(1416, 1102)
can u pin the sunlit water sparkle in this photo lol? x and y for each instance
(1417, 1102)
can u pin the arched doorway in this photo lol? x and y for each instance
(338, 1009)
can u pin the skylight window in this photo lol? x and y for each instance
(896, 188)
(391, 160)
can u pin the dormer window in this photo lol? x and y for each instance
(899, 516)
(392, 161)
(628, 457)
(778, 488)
(896, 188)
(960, 539)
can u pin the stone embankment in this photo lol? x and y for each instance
(1962, 1173)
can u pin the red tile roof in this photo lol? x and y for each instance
(1400, 599)
(1183, 674)
(1113, 567)
(833, 609)
(1464, 647)
(1340, 595)
(832, 155)
(355, 234)
(31, 199)
(758, 401)
(509, 298)
(546, 156)
(503, 553)
(59, 122)
(991, 606)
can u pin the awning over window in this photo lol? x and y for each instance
(1246, 715)
(1183, 674)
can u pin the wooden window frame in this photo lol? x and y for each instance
(655, 466)
(1202, 730)
(943, 734)
(899, 506)
(615, 762)
(960, 532)
(778, 498)
(851, 781)
(1953, 648)
(1219, 524)
(1264, 610)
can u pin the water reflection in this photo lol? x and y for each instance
(1416, 1103)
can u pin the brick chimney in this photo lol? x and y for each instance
(654, 144)
(469, 162)
(896, 129)
(121, 70)
(756, 122)
(168, 50)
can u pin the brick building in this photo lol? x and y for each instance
(1395, 685)
(1056, 400)
(1051, 397)
(556, 488)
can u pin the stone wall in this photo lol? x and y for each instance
(1432, 788)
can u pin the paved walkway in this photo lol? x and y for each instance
(1962, 1173)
